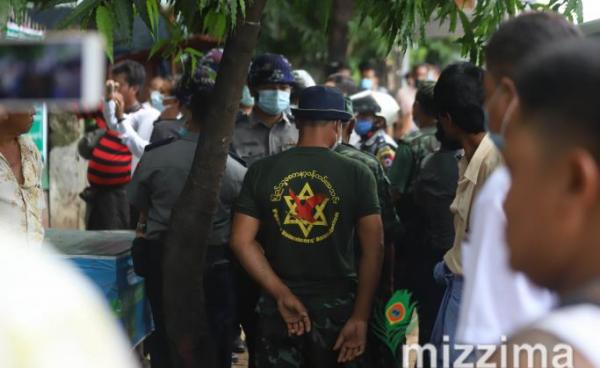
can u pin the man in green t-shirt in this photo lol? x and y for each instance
(307, 203)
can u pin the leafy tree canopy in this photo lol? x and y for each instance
(300, 26)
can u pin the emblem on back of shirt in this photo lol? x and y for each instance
(306, 207)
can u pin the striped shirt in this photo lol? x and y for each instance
(111, 159)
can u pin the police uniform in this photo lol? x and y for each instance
(253, 139)
(382, 146)
(155, 187)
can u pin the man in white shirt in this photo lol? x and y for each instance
(124, 113)
(553, 205)
(497, 300)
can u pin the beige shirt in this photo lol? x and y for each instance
(471, 177)
(21, 206)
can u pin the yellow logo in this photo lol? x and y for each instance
(305, 219)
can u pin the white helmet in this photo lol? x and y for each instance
(379, 103)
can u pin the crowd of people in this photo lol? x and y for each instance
(477, 190)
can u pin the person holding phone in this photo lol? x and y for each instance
(123, 111)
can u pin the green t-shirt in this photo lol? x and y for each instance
(308, 200)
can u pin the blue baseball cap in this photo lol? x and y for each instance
(270, 69)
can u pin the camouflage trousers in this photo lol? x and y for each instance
(312, 350)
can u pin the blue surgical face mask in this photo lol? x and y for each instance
(273, 102)
(363, 127)
(366, 83)
(156, 100)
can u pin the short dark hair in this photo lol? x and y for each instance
(343, 83)
(520, 37)
(134, 72)
(459, 93)
(559, 88)
(366, 65)
(425, 98)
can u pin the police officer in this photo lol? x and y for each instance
(315, 306)
(154, 189)
(267, 129)
(371, 123)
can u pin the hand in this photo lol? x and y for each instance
(294, 314)
(352, 340)
(119, 104)
(111, 87)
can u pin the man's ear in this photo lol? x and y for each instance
(583, 177)
(509, 90)
(136, 89)
(578, 183)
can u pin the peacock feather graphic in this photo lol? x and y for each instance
(392, 322)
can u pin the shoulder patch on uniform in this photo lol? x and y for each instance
(386, 156)
(162, 142)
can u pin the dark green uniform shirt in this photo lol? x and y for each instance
(409, 156)
(391, 223)
(308, 201)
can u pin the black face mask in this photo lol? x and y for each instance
(447, 143)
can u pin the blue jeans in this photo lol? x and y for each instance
(447, 318)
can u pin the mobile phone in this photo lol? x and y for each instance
(64, 70)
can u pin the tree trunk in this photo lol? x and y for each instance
(342, 12)
(191, 218)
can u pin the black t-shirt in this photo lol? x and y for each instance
(309, 200)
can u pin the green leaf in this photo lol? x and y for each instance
(467, 26)
(193, 52)
(233, 7)
(242, 4)
(83, 9)
(157, 46)
(142, 10)
(104, 21)
(153, 16)
(123, 11)
(215, 24)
